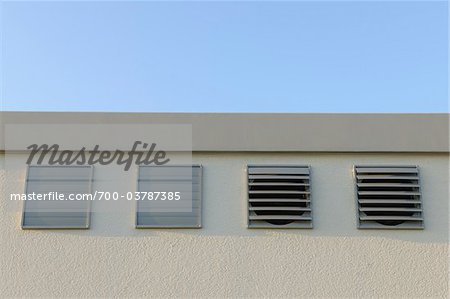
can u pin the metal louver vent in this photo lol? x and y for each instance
(389, 197)
(279, 197)
(184, 181)
(49, 213)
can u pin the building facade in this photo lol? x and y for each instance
(287, 205)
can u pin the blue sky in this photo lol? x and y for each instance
(225, 56)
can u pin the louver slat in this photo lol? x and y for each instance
(387, 185)
(387, 193)
(278, 192)
(393, 170)
(279, 217)
(391, 209)
(389, 197)
(277, 184)
(391, 201)
(278, 170)
(386, 177)
(279, 177)
(392, 218)
(279, 209)
(279, 197)
(278, 200)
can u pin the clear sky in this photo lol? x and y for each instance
(225, 56)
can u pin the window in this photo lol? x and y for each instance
(50, 182)
(173, 197)
(389, 197)
(279, 196)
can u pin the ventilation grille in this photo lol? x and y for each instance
(389, 197)
(279, 197)
(186, 180)
(57, 214)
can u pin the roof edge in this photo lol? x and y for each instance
(276, 132)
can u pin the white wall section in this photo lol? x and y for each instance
(224, 258)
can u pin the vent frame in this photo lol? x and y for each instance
(415, 200)
(306, 223)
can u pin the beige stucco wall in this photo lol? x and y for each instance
(224, 258)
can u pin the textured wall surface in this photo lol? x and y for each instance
(224, 258)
